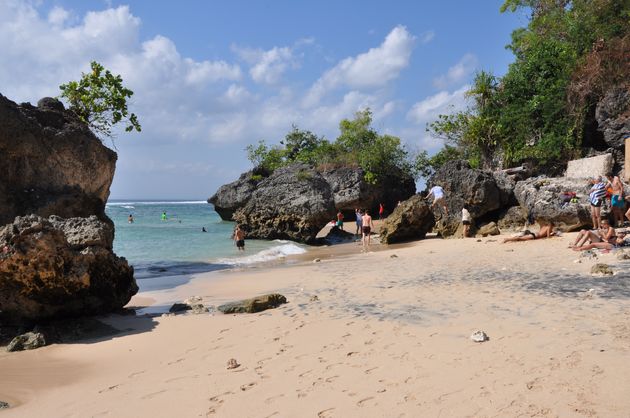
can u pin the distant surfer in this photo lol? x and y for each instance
(203, 229)
(163, 216)
(239, 238)
(130, 218)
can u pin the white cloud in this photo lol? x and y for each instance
(371, 69)
(427, 37)
(443, 102)
(268, 67)
(457, 73)
(58, 16)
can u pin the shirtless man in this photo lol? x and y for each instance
(616, 200)
(239, 238)
(366, 221)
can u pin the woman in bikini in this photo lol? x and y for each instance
(605, 233)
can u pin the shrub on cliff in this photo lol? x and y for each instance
(358, 145)
(100, 100)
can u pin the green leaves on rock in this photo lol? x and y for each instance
(100, 100)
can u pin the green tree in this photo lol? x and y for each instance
(100, 100)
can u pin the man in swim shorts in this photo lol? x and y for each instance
(366, 221)
(617, 203)
(239, 238)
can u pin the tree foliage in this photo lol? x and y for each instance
(568, 55)
(358, 145)
(100, 100)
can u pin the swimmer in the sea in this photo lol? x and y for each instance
(239, 238)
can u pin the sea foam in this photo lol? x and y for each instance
(274, 253)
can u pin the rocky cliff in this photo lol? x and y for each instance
(50, 266)
(51, 163)
(278, 205)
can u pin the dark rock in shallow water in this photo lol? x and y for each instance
(179, 307)
(253, 305)
(4, 405)
(293, 203)
(409, 221)
(541, 197)
(60, 267)
(52, 164)
(479, 189)
(28, 341)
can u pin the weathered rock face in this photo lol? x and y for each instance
(482, 191)
(488, 229)
(613, 117)
(51, 163)
(409, 221)
(540, 196)
(60, 267)
(351, 191)
(294, 203)
(513, 218)
(233, 196)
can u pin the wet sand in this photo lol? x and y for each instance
(384, 333)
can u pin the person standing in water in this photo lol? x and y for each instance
(130, 218)
(366, 221)
(239, 238)
(163, 216)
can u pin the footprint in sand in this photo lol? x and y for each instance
(134, 374)
(248, 386)
(272, 399)
(325, 413)
(363, 401)
(153, 394)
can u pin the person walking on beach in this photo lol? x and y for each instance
(466, 219)
(239, 238)
(617, 203)
(366, 229)
(438, 197)
(596, 198)
(359, 221)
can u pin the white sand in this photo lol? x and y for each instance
(387, 337)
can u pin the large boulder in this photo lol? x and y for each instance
(484, 193)
(59, 267)
(541, 197)
(294, 203)
(233, 196)
(411, 220)
(253, 305)
(513, 218)
(51, 163)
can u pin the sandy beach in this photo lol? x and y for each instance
(379, 334)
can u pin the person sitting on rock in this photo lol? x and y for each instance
(545, 231)
(605, 233)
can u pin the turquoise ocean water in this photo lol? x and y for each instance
(163, 249)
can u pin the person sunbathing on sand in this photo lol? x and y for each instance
(618, 241)
(545, 231)
(605, 233)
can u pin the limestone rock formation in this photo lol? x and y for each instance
(233, 196)
(294, 203)
(60, 267)
(28, 341)
(479, 189)
(541, 197)
(253, 305)
(513, 218)
(490, 228)
(409, 221)
(51, 163)
(613, 117)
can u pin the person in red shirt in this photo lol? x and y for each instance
(381, 211)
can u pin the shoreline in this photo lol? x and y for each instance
(384, 336)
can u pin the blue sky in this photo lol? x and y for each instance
(211, 77)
